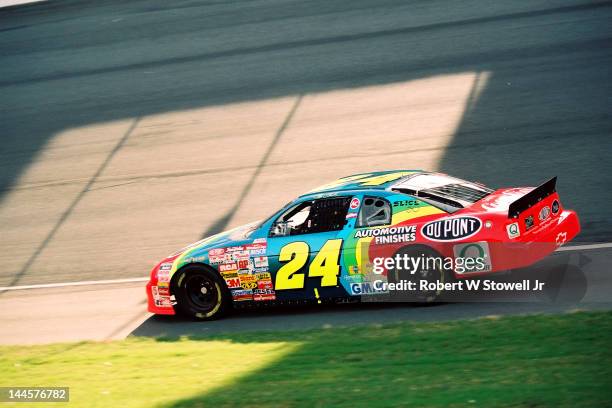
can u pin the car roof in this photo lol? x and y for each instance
(375, 180)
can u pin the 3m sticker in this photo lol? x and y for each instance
(233, 283)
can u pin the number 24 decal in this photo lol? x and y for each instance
(325, 265)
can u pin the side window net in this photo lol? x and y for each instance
(323, 215)
(374, 211)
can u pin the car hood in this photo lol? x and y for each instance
(229, 237)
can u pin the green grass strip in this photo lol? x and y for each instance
(526, 361)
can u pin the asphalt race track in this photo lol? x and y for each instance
(130, 129)
(575, 280)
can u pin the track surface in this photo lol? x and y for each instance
(577, 279)
(131, 128)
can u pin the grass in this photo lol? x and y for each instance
(529, 361)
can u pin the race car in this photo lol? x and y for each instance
(346, 241)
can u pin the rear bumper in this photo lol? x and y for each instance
(531, 247)
(538, 244)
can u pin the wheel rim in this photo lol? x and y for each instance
(201, 292)
(430, 275)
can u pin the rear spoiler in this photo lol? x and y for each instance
(532, 198)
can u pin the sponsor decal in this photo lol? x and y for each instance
(163, 302)
(264, 294)
(376, 232)
(257, 251)
(451, 229)
(234, 248)
(365, 288)
(243, 264)
(394, 239)
(405, 203)
(164, 291)
(163, 276)
(233, 283)
(216, 252)
(513, 230)
(352, 278)
(260, 262)
(154, 292)
(247, 278)
(365, 269)
(254, 246)
(261, 298)
(165, 266)
(249, 285)
(473, 251)
(163, 284)
(232, 266)
(240, 255)
(355, 203)
(214, 260)
(264, 284)
(259, 241)
(263, 276)
(351, 215)
(230, 274)
(242, 294)
(561, 238)
(389, 235)
(242, 272)
(195, 259)
(555, 207)
(544, 213)
(529, 222)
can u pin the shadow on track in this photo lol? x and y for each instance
(565, 289)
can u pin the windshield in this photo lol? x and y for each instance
(275, 214)
(445, 192)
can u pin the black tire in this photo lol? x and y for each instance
(432, 274)
(200, 293)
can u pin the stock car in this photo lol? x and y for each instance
(323, 246)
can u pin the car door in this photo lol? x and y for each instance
(372, 211)
(305, 246)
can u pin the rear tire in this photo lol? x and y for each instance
(432, 274)
(200, 293)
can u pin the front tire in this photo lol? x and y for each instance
(200, 293)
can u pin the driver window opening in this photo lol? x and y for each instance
(374, 212)
(308, 217)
